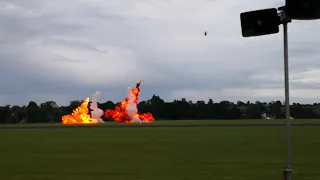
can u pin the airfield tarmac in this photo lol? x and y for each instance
(156, 126)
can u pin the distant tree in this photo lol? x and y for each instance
(33, 112)
(5, 114)
(50, 111)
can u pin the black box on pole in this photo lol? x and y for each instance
(260, 22)
(303, 9)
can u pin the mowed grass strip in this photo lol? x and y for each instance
(177, 122)
(246, 153)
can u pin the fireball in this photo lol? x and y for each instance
(127, 110)
(80, 115)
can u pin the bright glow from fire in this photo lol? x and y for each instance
(81, 114)
(127, 110)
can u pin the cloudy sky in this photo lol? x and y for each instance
(64, 50)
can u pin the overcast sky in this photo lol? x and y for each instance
(65, 50)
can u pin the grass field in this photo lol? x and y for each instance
(219, 153)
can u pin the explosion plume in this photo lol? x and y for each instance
(96, 113)
(127, 110)
(81, 114)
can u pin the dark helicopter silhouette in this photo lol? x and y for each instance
(205, 33)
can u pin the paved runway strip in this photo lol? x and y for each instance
(152, 126)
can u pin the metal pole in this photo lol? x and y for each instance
(286, 82)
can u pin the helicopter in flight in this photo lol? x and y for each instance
(205, 33)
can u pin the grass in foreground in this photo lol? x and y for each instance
(157, 154)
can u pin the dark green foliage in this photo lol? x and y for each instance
(176, 110)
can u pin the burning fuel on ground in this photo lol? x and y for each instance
(81, 114)
(126, 111)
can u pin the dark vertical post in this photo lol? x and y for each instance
(287, 169)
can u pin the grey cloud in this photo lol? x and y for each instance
(74, 44)
(168, 47)
(20, 29)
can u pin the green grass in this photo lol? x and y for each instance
(157, 154)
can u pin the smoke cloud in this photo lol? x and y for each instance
(132, 108)
(96, 113)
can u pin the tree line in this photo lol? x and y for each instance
(177, 110)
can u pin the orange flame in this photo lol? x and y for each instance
(80, 115)
(120, 114)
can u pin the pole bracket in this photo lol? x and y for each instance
(287, 170)
(283, 15)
